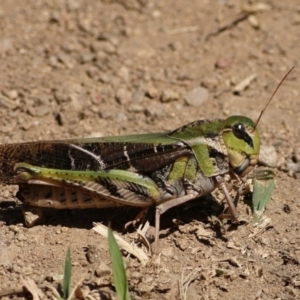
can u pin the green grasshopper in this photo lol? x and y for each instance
(160, 169)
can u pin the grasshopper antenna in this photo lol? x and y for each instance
(280, 83)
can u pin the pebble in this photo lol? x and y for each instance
(93, 73)
(138, 96)
(168, 252)
(93, 254)
(154, 109)
(14, 228)
(168, 96)
(54, 62)
(210, 83)
(70, 92)
(124, 73)
(296, 152)
(107, 47)
(196, 96)
(293, 167)
(21, 237)
(136, 108)
(253, 21)
(7, 102)
(42, 105)
(121, 117)
(123, 96)
(55, 17)
(103, 270)
(12, 94)
(152, 92)
(223, 63)
(85, 24)
(87, 57)
(181, 244)
(41, 111)
(66, 60)
(6, 45)
(268, 156)
(105, 113)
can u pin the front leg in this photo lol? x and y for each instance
(162, 208)
(232, 208)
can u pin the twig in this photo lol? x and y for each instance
(138, 253)
(76, 286)
(185, 282)
(31, 287)
(13, 291)
(225, 27)
(182, 30)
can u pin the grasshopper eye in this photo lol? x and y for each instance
(240, 132)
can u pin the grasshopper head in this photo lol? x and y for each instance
(241, 139)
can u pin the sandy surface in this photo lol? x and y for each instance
(94, 68)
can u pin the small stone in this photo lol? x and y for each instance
(93, 73)
(106, 47)
(293, 167)
(21, 237)
(253, 21)
(123, 96)
(168, 252)
(123, 73)
(9, 103)
(12, 94)
(27, 270)
(67, 92)
(55, 17)
(197, 96)
(93, 254)
(168, 96)
(87, 57)
(210, 83)
(76, 103)
(85, 24)
(32, 216)
(72, 5)
(104, 78)
(103, 270)
(268, 156)
(105, 114)
(152, 92)
(6, 45)
(296, 153)
(136, 108)
(138, 96)
(181, 244)
(66, 59)
(54, 61)
(223, 63)
(42, 110)
(154, 109)
(121, 117)
(14, 228)
(31, 111)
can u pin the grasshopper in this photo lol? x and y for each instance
(161, 169)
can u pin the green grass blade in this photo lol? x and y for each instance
(119, 274)
(67, 276)
(264, 184)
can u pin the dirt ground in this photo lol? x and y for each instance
(78, 68)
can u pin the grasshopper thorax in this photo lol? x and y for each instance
(241, 139)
